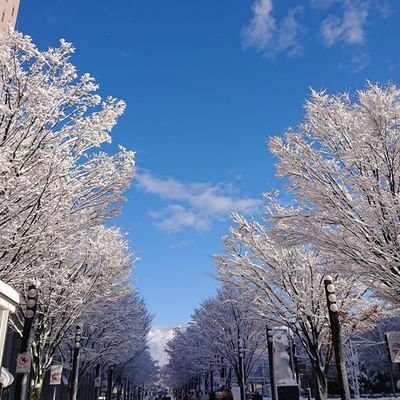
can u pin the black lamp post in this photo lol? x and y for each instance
(270, 341)
(336, 338)
(75, 364)
(21, 381)
(242, 370)
(109, 383)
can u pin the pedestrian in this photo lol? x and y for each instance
(226, 394)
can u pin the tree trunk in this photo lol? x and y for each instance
(320, 381)
(38, 386)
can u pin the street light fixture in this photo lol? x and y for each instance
(242, 369)
(336, 338)
(21, 381)
(270, 341)
(75, 363)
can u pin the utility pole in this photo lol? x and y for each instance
(21, 382)
(75, 364)
(336, 338)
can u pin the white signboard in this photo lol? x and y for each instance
(55, 374)
(393, 341)
(23, 363)
(97, 381)
(103, 386)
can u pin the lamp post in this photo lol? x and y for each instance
(242, 369)
(211, 380)
(109, 383)
(75, 363)
(270, 347)
(336, 338)
(22, 378)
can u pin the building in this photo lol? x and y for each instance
(8, 13)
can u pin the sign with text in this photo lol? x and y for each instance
(393, 342)
(23, 363)
(97, 382)
(55, 374)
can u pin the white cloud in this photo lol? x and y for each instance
(270, 36)
(342, 21)
(193, 205)
(349, 26)
(158, 338)
(182, 244)
(175, 217)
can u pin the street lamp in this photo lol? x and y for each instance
(336, 338)
(21, 381)
(242, 369)
(270, 341)
(75, 363)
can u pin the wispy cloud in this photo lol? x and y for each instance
(158, 338)
(340, 21)
(350, 24)
(270, 36)
(182, 244)
(193, 205)
(357, 62)
(348, 27)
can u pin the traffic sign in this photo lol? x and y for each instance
(55, 374)
(393, 342)
(23, 363)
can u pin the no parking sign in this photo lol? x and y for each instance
(23, 363)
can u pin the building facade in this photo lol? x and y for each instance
(8, 14)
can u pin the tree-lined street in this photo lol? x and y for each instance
(307, 274)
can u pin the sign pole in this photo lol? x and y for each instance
(21, 381)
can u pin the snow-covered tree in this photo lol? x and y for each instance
(114, 330)
(343, 164)
(228, 326)
(188, 355)
(285, 286)
(56, 190)
(53, 181)
(96, 264)
(142, 369)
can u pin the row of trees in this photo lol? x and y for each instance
(212, 340)
(342, 168)
(58, 189)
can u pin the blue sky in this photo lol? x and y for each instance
(206, 82)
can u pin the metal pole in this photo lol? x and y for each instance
(271, 362)
(390, 367)
(241, 369)
(211, 381)
(21, 381)
(109, 383)
(75, 364)
(128, 391)
(336, 338)
(97, 381)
